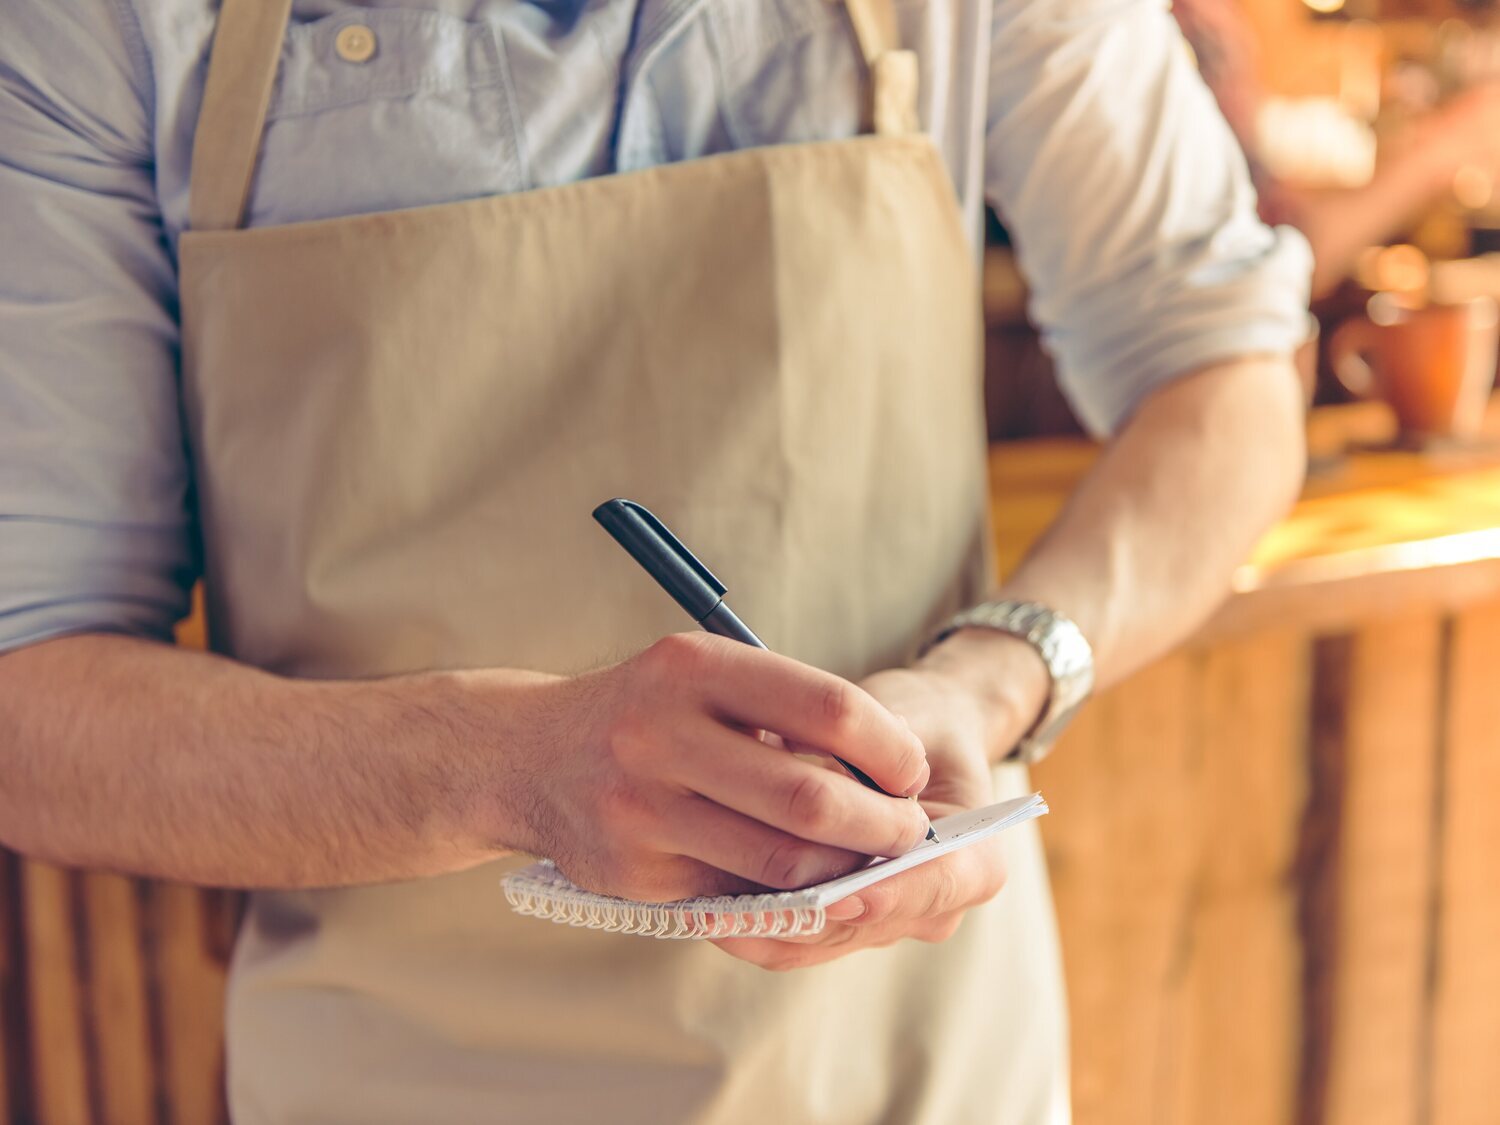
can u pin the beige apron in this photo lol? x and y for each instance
(400, 424)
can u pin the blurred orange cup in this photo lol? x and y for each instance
(1433, 364)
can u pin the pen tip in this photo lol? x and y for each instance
(932, 835)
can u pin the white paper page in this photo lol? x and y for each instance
(954, 832)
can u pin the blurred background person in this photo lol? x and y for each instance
(1417, 166)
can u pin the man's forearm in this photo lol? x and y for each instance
(639, 778)
(124, 754)
(1147, 545)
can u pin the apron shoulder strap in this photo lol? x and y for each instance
(893, 74)
(241, 72)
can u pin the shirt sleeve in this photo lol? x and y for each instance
(1129, 204)
(94, 527)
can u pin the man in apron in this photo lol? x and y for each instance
(444, 276)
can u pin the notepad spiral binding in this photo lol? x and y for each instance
(542, 891)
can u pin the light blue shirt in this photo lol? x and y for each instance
(1082, 121)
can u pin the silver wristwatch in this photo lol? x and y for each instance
(1069, 660)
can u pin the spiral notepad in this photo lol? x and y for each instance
(542, 891)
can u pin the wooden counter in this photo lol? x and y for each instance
(1274, 852)
(1271, 851)
(1376, 528)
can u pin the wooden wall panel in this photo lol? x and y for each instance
(1376, 1046)
(188, 967)
(13, 1036)
(1177, 805)
(123, 1069)
(122, 1005)
(57, 1030)
(1120, 843)
(1240, 956)
(1466, 1002)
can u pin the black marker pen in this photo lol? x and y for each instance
(690, 583)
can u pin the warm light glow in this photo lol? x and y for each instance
(1472, 187)
(1399, 269)
(1361, 62)
(1429, 554)
(1324, 6)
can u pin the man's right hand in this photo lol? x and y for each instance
(647, 779)
(650, 779)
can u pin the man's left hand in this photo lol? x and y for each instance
(959, 727)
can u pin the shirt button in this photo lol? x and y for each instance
(355, 43)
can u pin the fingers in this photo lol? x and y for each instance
(806, 800)
(954, 882)
(744, 847)
(927, 903)
(676, 787)
(804, 704)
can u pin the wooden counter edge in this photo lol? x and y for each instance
(1341, 592)
(1335, 585)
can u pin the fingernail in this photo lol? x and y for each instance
(916, 789)
(847, 909)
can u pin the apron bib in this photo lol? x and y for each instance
(400, 424)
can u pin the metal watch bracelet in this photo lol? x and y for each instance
(1063, 649)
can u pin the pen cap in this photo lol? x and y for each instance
(673, 566)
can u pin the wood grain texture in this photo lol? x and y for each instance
(1239, 957)
(1376, 1051)
(1177, 804)
(1121, 847)
(1364, 593)
(118, 1003)
(13, 1033)
(58, 1034)
(1318, 873)
(1465, 1079)
(188, 966)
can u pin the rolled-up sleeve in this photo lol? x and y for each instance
(1130, 204)
(94, 526)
